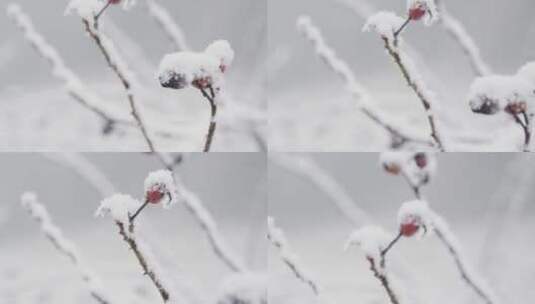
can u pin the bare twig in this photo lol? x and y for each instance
(277, 238)
(210, 96)
(358, 92)
(106, 48)
(417, 86)
(128, 237)
(525, 122)
(66, 247)
(382, 277)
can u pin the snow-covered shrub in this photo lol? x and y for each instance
(243, 288)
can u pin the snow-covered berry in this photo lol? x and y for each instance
(160, 188)
(493, 94)
(421, 160)
(417, 13)
(409, 227)
(154, 196)
(221, 50)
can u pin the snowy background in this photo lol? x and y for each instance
(232, 186)
(310, 110)
(37, 114)
(486, 198)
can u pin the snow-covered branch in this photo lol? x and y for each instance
(122, 209)
(278, 239)
(357, 91)
(375, 242)
(387, 25)
(87, 10)
(66, 247)
(195, 206)
(458, 32)
(307, 168)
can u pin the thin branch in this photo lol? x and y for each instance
(66, 247)
(382, 277)
(110, 54)
(459, 33)
(358, 92)
(278, 239)
(417, 85)
(141, 255)
(213, 111)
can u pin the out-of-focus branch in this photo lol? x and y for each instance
(120, 69)
(357, 91)
(168, 25)
(278, 239)
(458, 32)
(205, 219)
(66, 247)
(306, 167)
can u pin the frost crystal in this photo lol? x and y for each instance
(247, 288)
(492, 94)
(119, 206)
(162, 181)
(384, 23)
(200, 69)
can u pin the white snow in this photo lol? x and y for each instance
(430, 7)
(86, 9)
(527, 72)
(249, 288)
(417, 211)
(372, 240)
(221, 50)
(162, 180)
(497, 91)
(119, 207)
(384, 23)
(179, 70)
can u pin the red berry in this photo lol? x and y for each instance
(416, 13)
(114, 1)
(516, 107)
(154, 196)
(392, 168)
(202, 83)
(421, 160)
(410, 228)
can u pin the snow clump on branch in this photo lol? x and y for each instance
(119, 206)
(384, 23)
(247, 288)
(198, 69)
(372, 240)
(492, 94)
